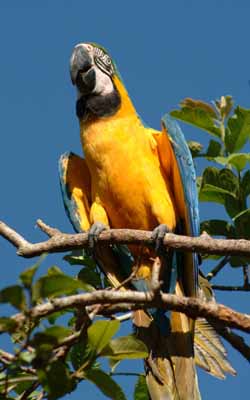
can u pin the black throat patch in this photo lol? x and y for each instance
(98, 105)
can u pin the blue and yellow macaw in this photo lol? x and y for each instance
(136, 177)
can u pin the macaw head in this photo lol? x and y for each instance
(95, 76)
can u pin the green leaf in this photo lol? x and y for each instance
(100, 334)
(213, 193)
(52, 335)
(214, 149)
(238, 130)
(238, 161)
(78, 257)
(218, 184)
(27, 356)
(237, 261)
(81, 353)
(200, 105)
(89, 276)
(125, 347)
(13, 295)
(242, 224)
(141, 390)
(245, 185)
(56, 380)
(195, 148)
(54, 270)
(22, 386)
(232, 206)
(229, 181)
(105, 383)
(200, 114)
(217, 227)
(198, 183)
(27, 275)
(56, 284)
(58, 331)
(7, 325)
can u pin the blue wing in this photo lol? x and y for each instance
(188, 177)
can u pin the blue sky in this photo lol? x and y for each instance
(165, 51)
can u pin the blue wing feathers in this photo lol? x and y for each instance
(68, 201)
(188, 177)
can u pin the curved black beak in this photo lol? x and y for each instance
(80, 62)
(81, 70)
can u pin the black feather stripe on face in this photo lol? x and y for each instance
(103, 61)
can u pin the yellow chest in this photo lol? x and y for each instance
(126, 175)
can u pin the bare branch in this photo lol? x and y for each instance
(217, 268)
(61, 242)
(132, 300)
(6, 357)
(155, 277)
(47, 229)
(12, 236)
(245, 276)
(236, 341)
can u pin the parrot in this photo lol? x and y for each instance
(135, 177)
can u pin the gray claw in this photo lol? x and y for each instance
(94, 232)
(158, 235)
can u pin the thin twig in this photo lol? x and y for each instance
(31, 389)
(232, 288)
(124, 317)
(125, 374)
(236, 341)
(155, 276)
(47, 229)
(217, 268)
(245, 276)
(7, 356)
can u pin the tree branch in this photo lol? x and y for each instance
(236, 341)
(61, 242)
(132, 300)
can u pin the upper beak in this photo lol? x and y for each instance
(80, 62)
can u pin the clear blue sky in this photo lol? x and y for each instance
(165, 50)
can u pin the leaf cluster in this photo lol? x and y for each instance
(227, 181)
(50, 357)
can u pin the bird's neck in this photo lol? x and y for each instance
(126, 114)
(127, 108)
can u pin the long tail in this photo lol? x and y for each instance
(170, 367)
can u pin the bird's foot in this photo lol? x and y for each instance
(95, 230)
(158, 236)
